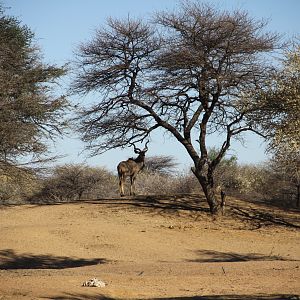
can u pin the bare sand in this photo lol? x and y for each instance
(149, 248)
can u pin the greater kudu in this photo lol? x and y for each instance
(131, 168)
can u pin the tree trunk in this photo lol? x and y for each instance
(298, 196)
(210, 195)
(207, 185)
(223, 202)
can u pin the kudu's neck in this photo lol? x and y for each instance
(140, 158)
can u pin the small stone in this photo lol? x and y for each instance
(94, 282)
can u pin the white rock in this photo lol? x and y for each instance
(94, 282)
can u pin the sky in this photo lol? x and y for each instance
(61, 25)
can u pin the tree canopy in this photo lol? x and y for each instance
(29, 110)
(279, 113)
(279, 116)
(187, 75)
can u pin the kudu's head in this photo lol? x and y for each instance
(141, 153)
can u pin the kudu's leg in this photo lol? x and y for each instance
(132, 185)
(121, 185)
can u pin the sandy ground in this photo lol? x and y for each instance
(148, 248)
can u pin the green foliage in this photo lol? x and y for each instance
(29, 111)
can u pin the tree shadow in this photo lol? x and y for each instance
(173, 203)
(235, 297)
(80, 297)
(160, 203)
(9, 260)
(242, 210)
(239, 210)
(259, 217)
(168, 202)
(216, 256)
(210, 297)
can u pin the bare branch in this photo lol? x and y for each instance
(194, 78)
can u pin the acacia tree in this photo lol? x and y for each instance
(185, 76)
(29, 112)
(279, 117)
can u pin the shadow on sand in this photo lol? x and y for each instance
(258, 217)
(210, 297)
(9, 260)
(216, 256)
(253, 215)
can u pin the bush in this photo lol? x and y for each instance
(75, 182)
(18, 187)
(263, 183)
(279, 186)
(161, 164)
(250, 179)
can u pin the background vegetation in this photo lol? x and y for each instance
(32, 114)
(73, 182)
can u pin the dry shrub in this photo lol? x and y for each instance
(250, 178)
(161, 164)
(245, 181)
(260, 182)
(18, 187)
(278, 188)
(75, 182)
(156, 183)
(187, 183)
